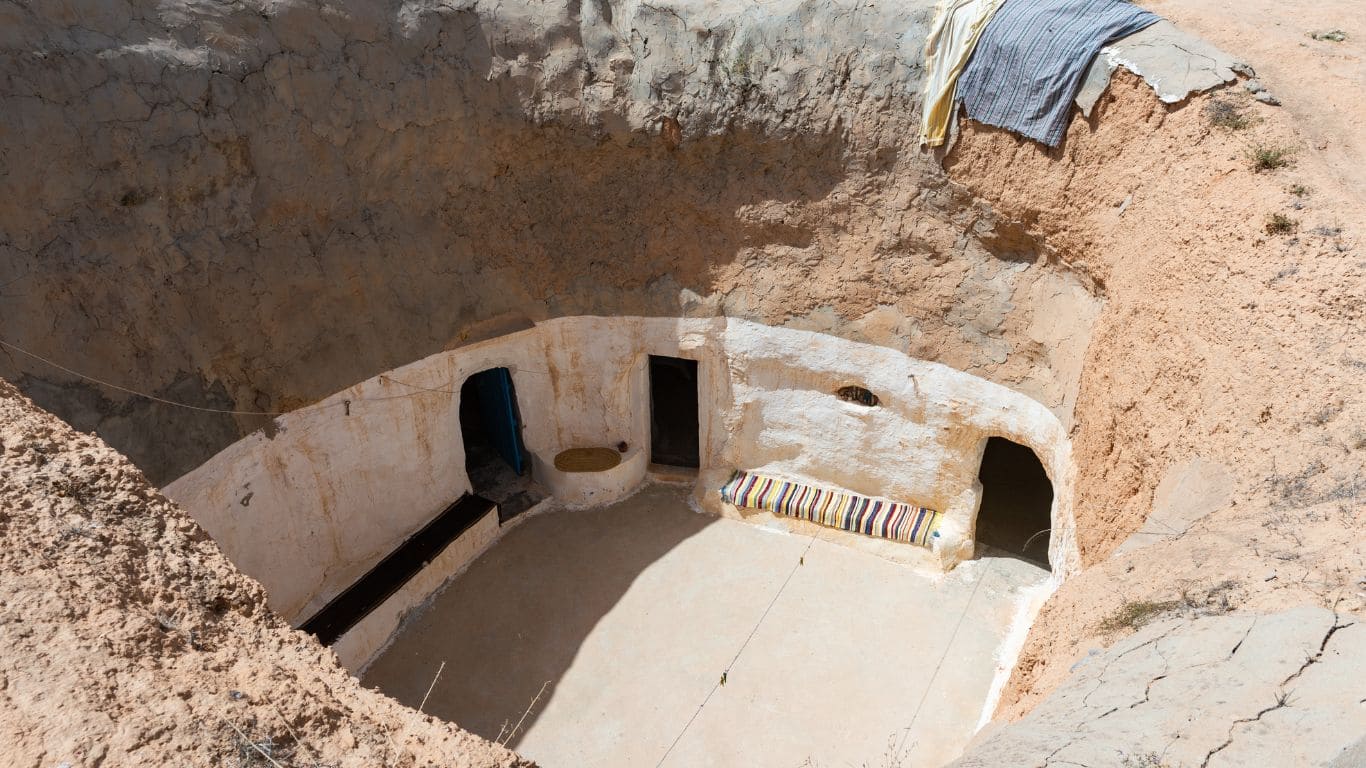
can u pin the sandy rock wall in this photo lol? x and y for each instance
(131, 640)
(1225, 364)
(248, 206)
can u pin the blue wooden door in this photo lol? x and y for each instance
(498, 408)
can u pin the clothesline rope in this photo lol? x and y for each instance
(231, 412)
(716, 685)
(947, 647)
(134, 392)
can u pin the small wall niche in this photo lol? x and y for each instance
(853, 393)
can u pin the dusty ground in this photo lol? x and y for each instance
(631, 612)
(130, 640)
(1320, 83)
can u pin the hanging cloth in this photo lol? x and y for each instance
(957, 26)
(1030, 61)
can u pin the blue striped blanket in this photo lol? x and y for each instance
(846, 511)
(1032, 57)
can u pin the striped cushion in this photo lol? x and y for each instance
(846, 511)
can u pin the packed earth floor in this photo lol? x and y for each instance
(627, 616)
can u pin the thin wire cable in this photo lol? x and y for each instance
(717, 685)
(947, 647)
(112, 385)
(387, 377)
(1031, 539)
(203, 409)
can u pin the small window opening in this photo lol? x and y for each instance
(858, 395)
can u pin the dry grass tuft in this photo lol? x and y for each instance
(1227, 115)
(1145, 760)
(1332, 36)
(1134, 614)
(1268, 158)
(1280, 224)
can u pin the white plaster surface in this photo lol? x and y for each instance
(630, 613)
(1174, 62)
(310, 508)
(1027, 605)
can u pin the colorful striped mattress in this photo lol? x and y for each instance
(846, 511)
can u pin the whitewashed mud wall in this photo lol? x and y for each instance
(308, 510)
(339, 484)
(923, 442)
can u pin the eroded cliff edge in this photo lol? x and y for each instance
(250, 206)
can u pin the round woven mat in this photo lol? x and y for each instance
(587, 459)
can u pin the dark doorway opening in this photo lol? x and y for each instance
(1017, 501)
(491, 428)
(673, 412)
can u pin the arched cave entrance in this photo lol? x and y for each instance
(491, 430)
(1017, 501)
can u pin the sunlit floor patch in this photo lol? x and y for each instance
(631, 613)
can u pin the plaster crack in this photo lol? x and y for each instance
(1282, 701)
(1148, 690)
(1312, 660)
(1243, 639)
(1282, 698)
(1048, 761)
(1100, 679)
